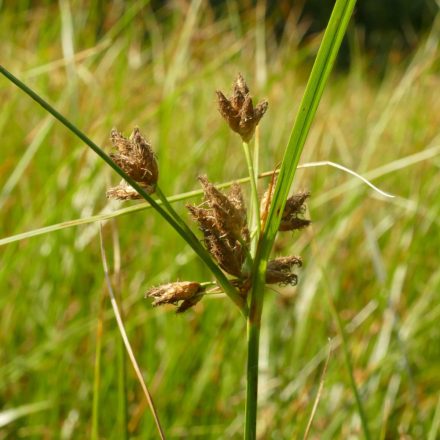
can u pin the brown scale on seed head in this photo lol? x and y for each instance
(188, 293)
(239, 111)
(295, 207)
(224, 226)
(136, 157)
(279, 271)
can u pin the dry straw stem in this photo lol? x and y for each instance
(319, 393)
(125, 338)
(399, 164)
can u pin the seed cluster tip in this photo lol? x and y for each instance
(294, 209)
(239, 111)
(184, 294)
(223, 222)
(136, 158)
(279, 271)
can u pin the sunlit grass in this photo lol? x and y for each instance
(376, 257)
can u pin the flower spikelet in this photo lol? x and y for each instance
(294, 207)
(187, 292)
(227, 251)
(239, 111)
(279, 270)
(222, 219)
(136, 157)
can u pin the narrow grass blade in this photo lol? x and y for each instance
(10, 415)
(180, 197)
(126, 341)
(319, 393)
(433, 432)
(321, 70)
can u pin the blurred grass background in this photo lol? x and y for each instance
(122, 65)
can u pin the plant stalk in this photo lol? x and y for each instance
(255, 206)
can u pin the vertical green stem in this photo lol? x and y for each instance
(253, 342)
(255, 206)
(256, 304)
(253, 346)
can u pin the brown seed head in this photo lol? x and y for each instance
(226, 250)
(224, 225)
(186, 291)
(228, 211)
(279, 271)
(136, 157)
(294, 207)
(239, 111)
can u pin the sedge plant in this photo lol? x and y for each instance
(237, 243)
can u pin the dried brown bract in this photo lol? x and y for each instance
(188, 293)
(239, 111)
(136, 157)
(224, 226)
(279, 271)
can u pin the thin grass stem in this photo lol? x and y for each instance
(177, 198)
(255, 206)
(125, 338)
(121, 361)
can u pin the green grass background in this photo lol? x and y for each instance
(377, 258)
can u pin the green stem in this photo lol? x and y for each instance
(255, 206)
(253, 342)
(196, 245)
(174, 214)
(253, 347)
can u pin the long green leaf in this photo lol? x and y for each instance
(321, 69)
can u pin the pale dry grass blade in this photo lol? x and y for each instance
(125, 339)
(105, 215)
(319, 393)
(347, 170)
(10, 415)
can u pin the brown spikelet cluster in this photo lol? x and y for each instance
(239, 111)
(222, 219)
(222, 216)
(294, 209)
(184, 294)
(136, 157)
(279, 271)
